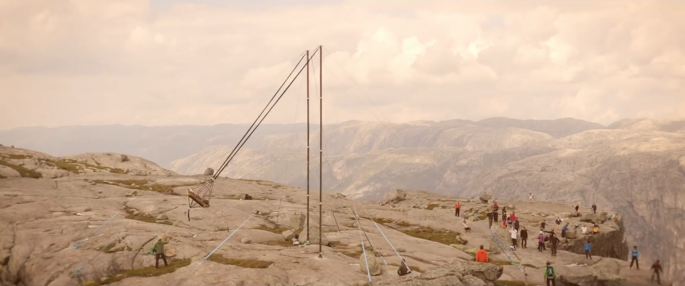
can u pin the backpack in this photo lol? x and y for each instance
(550, 272)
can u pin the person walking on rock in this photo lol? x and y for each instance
(482, 255)
(457, 207)
(514, 235)
(656, 271)
(554, 241)
(524, 237)
(550, 276)
(634, 255)
(587, 247)
(158, 251)
(541, 242)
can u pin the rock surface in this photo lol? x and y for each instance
(42, 219)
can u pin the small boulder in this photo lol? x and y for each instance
(246, 240)
(209, 172)
(472, 281)
(162, 217)
(297, 221)
(339, 196)
(246, 197)
(314, 236)
(394, 197)
(374, 265)
(124, 158)
(288, 235)
(485, 198)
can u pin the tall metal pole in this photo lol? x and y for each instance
(320, 144)
(307, 145)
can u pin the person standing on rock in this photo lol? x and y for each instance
(541, 242)
(530, 198)
(482, 255)
(158, 251)
(516, 224)
(583, 229)
(594, 208)
(542, 225)
(504, 213)
(490, 215)
(587, 247)
(524, 237)
(550, 276)
(577, 206)
(563, 230)
(554, 241)
(514, 235)
(656, 271)
(634, 255)
(457, 207)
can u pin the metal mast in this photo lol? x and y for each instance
(320, 144)
(307, 145)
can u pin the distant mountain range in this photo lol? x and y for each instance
(634, 166)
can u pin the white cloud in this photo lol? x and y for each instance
(140, 62)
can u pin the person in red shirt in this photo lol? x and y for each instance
(457, 207)
(482, 255)
(512, 217)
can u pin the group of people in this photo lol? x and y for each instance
(512, 222)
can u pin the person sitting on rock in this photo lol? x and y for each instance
(550, 275)
(467, 228)
(595, 229)
(404, 270)
(158, 251)
(482, 255)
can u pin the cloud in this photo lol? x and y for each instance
(88, 62)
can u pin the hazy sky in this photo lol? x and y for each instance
(206, 62)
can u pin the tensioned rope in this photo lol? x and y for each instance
(368, 271)
(356, 217)
(252, 128)
(228, 237)
(78, 243)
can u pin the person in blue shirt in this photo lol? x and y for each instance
(634, 254)
(587, 246)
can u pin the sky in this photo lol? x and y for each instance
(169, 62)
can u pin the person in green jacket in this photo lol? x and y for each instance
(550, 275)
(158, 251)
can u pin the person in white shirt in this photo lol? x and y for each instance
(514, 234)
(583, 229)
(530, 198)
